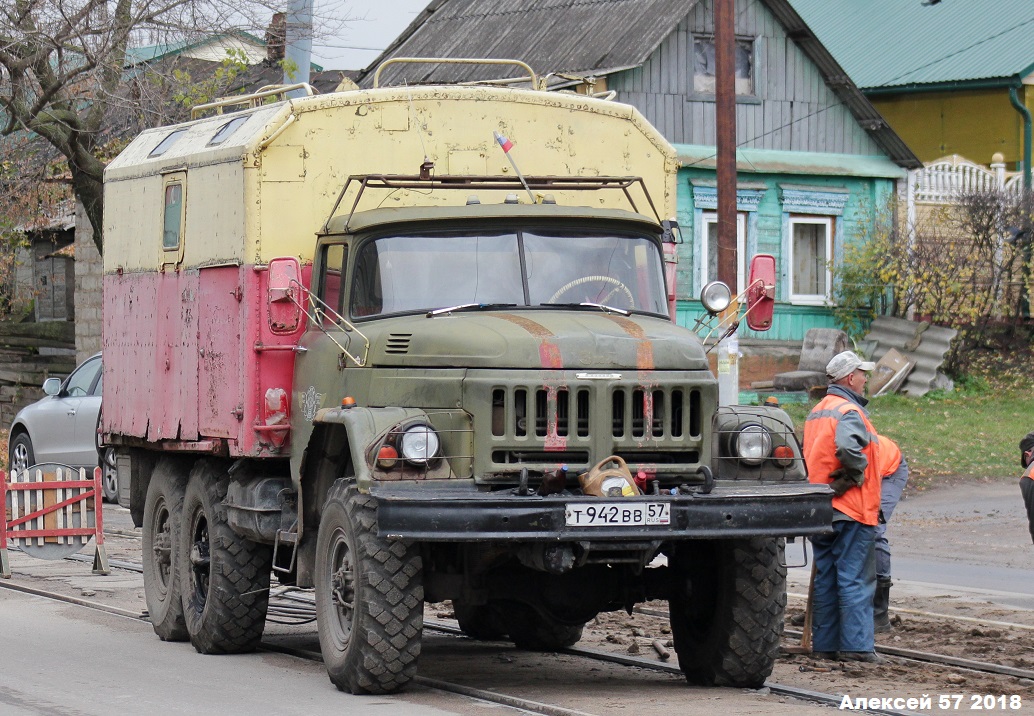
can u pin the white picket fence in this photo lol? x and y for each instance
(942, 181)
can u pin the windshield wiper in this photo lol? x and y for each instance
(469, 307)
(585, 304)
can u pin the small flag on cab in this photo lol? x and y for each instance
(506, 146)
(505, 143)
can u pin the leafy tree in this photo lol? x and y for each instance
(966, 265)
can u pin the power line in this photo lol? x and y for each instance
(959, 51)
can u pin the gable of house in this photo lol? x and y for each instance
(790, 106)
(212, 48)
(802, 100)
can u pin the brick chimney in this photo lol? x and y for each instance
(276, 38)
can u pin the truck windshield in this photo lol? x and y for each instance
(404, 274)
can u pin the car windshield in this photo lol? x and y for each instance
(401, 274)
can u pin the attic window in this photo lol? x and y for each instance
(226, 130)
(166, 144)
(704, 67)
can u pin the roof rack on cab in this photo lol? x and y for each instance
(253, 99)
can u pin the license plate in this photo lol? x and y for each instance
(603, 514)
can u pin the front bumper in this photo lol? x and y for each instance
(728, 511)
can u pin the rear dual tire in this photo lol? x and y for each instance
(225, 578)
(163, 516)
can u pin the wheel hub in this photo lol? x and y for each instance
(342, 585)
(161, 546)
(200, 562)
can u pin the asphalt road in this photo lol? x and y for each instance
(967, 540)
(60, 660)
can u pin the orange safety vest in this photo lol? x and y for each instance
(890, 456)
(860, 503)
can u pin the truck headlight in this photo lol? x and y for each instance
(753, 444)
(419, 444)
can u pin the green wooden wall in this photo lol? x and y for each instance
(868, 209)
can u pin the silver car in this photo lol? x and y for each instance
(62, 427)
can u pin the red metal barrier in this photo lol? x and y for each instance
(47, 513)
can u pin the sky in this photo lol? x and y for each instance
(371, 25)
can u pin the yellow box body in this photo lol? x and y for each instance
(268, 188)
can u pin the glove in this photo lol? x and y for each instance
(841, 482)
(842, 485)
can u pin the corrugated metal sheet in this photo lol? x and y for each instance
(923, 343)
(884, 43)
(550, 35)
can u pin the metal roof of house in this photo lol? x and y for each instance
(588, 37)
(150, 53)
(557, 35)
(908, 43)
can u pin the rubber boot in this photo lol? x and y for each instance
(881, 605)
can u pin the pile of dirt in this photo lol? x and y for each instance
(635, 634)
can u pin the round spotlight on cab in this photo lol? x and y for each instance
(419, 444)
(716, 297)
(753, 444)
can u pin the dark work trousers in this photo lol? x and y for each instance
(845, 581)
(1027, 488)
(891, 488)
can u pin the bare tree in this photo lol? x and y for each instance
(63, 76)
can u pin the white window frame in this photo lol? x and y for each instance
(745, 86)
(812, 299)
(708, 219)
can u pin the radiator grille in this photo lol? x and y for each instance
(577, 424)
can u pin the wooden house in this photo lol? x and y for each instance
(817, 165)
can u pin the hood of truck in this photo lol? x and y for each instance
(551, 339)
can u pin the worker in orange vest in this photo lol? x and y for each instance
(894, 475)
(1027, 481)
(841, 449)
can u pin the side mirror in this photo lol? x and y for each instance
(52, 386)
(761, 286)
(284, 291)
(669, 239)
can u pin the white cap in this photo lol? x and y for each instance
(846, 363)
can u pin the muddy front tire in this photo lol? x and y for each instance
(225, 577)
(727, 610)
(369, 597)
(161, 552)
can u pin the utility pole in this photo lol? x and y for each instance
(298, 44)
(725, 165)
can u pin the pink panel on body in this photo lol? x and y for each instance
(222, 359)
(193, 359)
